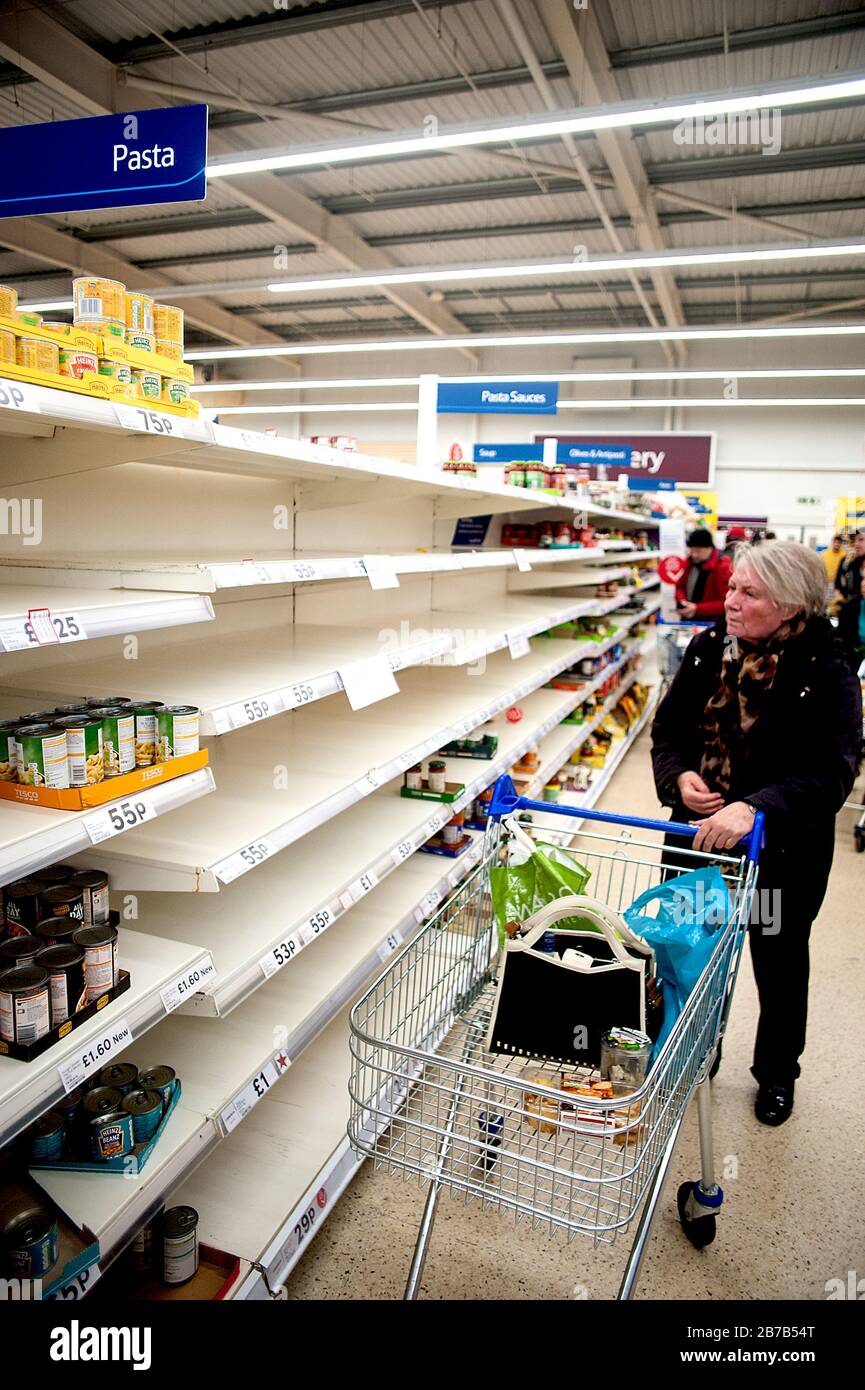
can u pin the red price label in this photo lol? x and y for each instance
(672, 568)
(321, 1198)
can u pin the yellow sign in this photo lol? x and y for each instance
(704, 502)
(849, 512)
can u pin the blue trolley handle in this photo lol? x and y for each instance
(506, 801)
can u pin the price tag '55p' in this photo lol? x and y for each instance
(114, 819)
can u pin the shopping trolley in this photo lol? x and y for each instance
(673, 641)
(428, 1100)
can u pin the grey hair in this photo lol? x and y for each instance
(792, 573)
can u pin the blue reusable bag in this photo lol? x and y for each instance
(691, 909)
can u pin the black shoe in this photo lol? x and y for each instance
(774, 1104)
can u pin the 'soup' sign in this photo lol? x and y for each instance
(118, 161)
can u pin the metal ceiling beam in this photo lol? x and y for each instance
(42, 46)
(735, 166)
(734, 40)
(578, 39)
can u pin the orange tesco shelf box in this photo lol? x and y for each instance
(84, 798)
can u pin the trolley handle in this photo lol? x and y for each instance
(506, 800)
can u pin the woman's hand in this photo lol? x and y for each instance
(696, 795)
(725, 828)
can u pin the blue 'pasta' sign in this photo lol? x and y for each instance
(117, 161)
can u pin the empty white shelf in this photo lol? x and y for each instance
(34, 614)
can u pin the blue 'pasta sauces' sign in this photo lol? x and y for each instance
(118, 161)
(497, 397)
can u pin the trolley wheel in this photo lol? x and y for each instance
(701, 1230)
(859, 838)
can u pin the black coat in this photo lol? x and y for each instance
(848, 630)
(801, 756)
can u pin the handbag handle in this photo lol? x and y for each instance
(573, 906)
(618, 924)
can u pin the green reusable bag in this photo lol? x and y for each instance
(535, 874)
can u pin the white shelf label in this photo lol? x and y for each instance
(201, 430)
(366, 682)
(279, 956)
(363, 885)
(518, 644)
(15, 395)
(77, 1287)
(254, 573)
(248, 1098)
(318, 922)
(189, 983)
(250, 711)
(41, 628)
(90, 1057)
(137, 417)
(404, 850)
(253, 854)
(427, 906)
(389, 945)
(124, 815)
(380, 572)
(368, 783)
(302, 694)
(434, 824)
(300, 571)
(522, 562)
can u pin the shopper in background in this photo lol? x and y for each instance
(735, 536)
(765, 715)
(700, 592)
(849, 577)
(833, 558)
(851, 627)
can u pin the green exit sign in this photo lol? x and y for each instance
(809, 501)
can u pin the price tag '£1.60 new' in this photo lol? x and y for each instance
(91, 1056)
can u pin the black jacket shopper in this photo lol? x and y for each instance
(797, 765)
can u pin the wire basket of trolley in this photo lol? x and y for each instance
(673, 641)
(543, 1067)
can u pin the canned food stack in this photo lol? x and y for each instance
(120, 1110)
(108, 308)
(92, 740)
(58, 950)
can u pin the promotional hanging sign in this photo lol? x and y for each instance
(687, 458)
(118, 161)
(497, 397)
(582, 454)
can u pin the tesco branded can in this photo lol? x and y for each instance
(146, 733)
(177, 727)
(118, 739)
(94, 885)
(42, 760)
(100, 958)
(78, 363)
(65, 966)
(84, 749)
(179, 1245)
(25, 1011)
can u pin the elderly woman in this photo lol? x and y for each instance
(766, 715)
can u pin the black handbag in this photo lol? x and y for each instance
(557, 1009)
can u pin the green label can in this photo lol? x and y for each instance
(115, 371)
(41, 754)
(85, 752)
(118, 739)
(146, 732)
(148, 384)
(8, 751)
(177, 727)
(174, 391)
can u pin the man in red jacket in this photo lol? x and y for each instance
(701, 591)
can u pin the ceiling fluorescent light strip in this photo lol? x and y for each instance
(592, 265)
(621, 115)
(362, 383)
(679, 402)
(481, 340)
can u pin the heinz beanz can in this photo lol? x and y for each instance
(111, 1135)
(145, 1108)
(118, 739)
(45, 1138)
(30, 1242)
(159, 1079)
(119, 1076)
(178, 731)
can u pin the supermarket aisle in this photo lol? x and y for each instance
(787, 1227)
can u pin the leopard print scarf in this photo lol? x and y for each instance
(747, 673)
